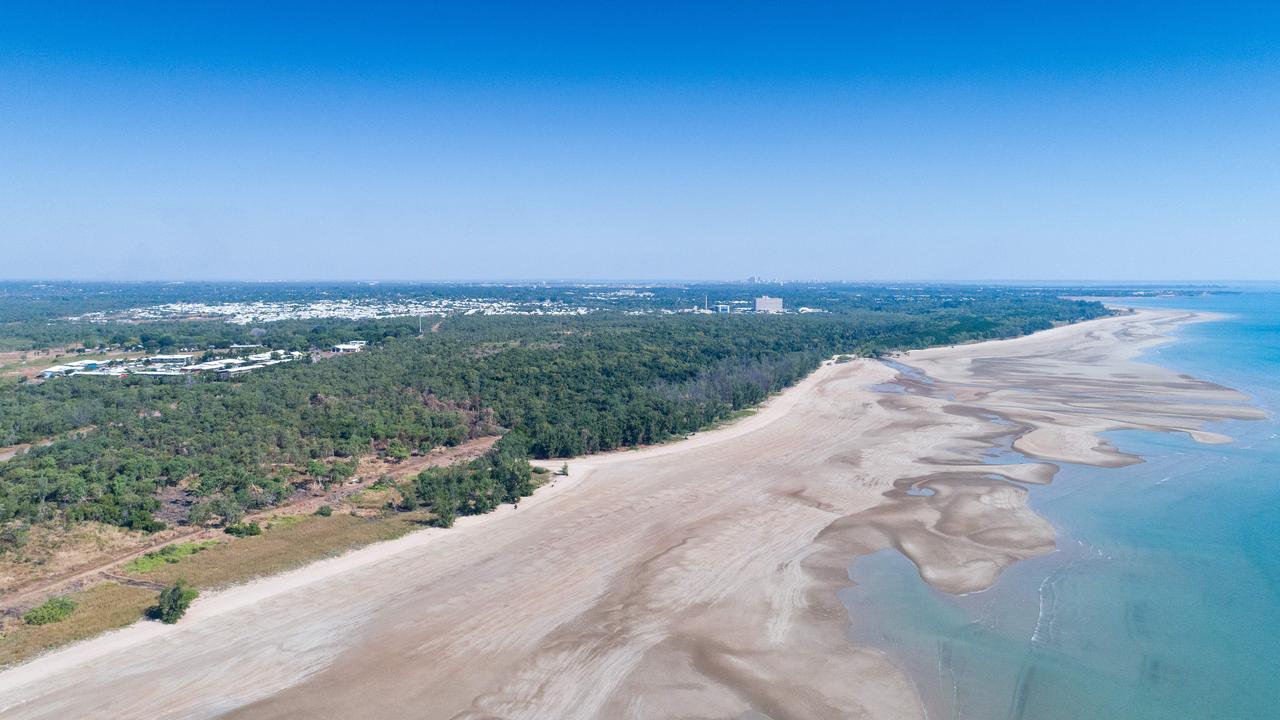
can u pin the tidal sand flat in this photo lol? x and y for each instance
(1160, 601)
(697, 578)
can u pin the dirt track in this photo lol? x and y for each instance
(697, 578)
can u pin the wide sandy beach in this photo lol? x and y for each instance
(694, 579)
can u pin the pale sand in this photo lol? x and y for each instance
(696, 579)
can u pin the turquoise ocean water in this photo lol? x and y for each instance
(1163, 599)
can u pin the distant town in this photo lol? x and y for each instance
(246, 313)
(239, 359)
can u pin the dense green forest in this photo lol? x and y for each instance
(555, 386)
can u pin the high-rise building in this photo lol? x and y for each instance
(766, 304)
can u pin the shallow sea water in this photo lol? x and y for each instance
(1163, 598)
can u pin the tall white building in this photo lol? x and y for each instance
(766, 304)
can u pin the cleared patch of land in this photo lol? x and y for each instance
(694, 578)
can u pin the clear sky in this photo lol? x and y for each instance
(686, 140)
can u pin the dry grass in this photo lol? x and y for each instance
(103, 607)
(55, 549)
(376, 497)
(287, 544)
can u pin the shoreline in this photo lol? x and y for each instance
(780, 501)
(1011, 644)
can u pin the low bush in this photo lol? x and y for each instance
(173, 603)
(52, 611)
(243, 529)
(167, 554)
(408, 498)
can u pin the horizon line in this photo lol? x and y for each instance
(1185, 282)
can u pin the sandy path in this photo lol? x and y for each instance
(697, 578)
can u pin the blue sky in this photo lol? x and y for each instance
(855, 141)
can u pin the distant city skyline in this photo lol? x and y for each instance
(714, 141)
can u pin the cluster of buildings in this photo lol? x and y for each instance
(246, 313)
(592, 297)
(154, 365)
(179, 365)
(227, 368)
(763, 304)
(79, 367)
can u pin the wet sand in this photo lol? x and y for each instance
(695, 579)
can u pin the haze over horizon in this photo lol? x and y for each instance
(829, 141)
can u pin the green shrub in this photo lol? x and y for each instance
(52, 611)
(145, 524)
(173, 603)
(324, 511)
(409, 497)
(199, 514)
(397, 452)
(167, 554)
(281, 522)
(243, 529)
